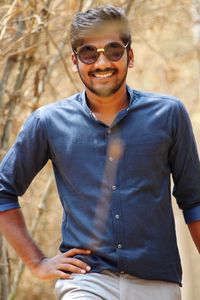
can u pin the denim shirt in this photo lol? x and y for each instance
(113, 182)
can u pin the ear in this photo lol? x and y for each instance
(131, 58)
(74, 63)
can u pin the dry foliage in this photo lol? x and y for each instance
(36, 69)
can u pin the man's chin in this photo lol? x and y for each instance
(105, 92)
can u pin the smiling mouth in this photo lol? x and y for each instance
(102, 75)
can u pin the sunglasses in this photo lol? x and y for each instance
(89, 54)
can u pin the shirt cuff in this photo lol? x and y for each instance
(8, 206)
(192, 214)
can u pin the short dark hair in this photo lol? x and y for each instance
(94, 19)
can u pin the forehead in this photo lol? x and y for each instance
(99, 39)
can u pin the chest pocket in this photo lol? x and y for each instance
(141, 156)
(146, 148)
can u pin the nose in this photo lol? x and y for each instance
(102, 59)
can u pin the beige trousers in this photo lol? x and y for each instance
(115, 286)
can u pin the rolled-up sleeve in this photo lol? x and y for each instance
(23, 161)
(185, 166)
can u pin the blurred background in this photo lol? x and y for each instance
(35, 69)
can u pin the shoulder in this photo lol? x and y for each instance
(155, 97)
(66, 104)
(53, 111)
(161, 101)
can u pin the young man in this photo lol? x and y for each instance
(113, 150)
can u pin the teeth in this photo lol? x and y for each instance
(103, 75)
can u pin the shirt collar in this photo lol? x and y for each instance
(86, 107)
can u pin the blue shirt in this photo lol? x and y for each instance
(113, 182)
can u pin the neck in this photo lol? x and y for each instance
(108, 105)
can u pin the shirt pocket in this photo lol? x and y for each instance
(144, 158)
(147, 148)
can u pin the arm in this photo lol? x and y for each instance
(21, 164)
(185, 167)
(13, 227)
(194, 229)
(18, 168)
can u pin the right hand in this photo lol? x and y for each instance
(57, 266)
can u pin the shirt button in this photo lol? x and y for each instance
(109, 131)
(110, 158)
(119, 246)
(114, 187)
(117, 217)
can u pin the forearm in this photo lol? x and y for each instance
(194, 228)
(13, 227)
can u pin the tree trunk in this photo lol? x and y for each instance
(4, 278)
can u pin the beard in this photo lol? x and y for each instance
(104, 89)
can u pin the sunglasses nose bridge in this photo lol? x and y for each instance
(100, 50)
(103, 57)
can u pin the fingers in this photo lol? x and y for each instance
(57, 274)
(76, 262)
(75, 251)
(61, 265)
(75, 265)
(74, 269)
(62, 275)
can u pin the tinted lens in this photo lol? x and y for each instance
(114, 51)
(87, 54)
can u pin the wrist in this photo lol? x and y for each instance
(35, 263)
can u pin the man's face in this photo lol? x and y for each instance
(103, 77)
